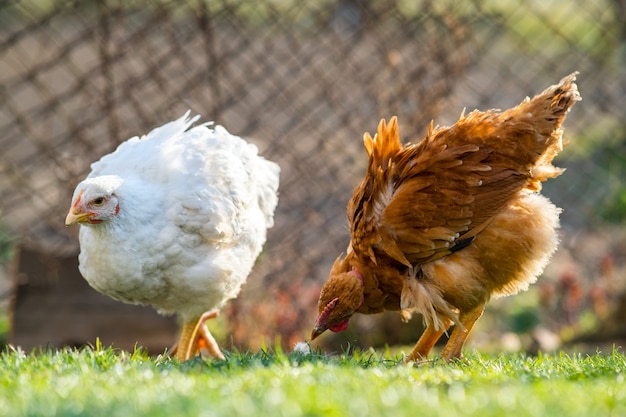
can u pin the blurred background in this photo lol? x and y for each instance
(304, 81)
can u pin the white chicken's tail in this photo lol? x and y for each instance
(172, 128)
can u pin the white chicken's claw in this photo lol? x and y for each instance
(201, 340)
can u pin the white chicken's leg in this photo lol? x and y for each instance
(206, 342)
(196, 337)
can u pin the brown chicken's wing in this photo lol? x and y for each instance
(431, 199)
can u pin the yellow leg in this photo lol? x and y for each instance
(195, 338)
(454, 347)
(426, 342)
(209, 346)
(184, 346)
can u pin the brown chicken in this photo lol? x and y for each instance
(441, 226)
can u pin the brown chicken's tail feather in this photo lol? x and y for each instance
(385, 144)
(548, 110)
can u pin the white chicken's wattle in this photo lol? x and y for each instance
(176, 219)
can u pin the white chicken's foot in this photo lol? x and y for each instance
(206, 344)
(196, 338)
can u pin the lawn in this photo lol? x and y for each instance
(105, 382)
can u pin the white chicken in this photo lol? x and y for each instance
(176, 219)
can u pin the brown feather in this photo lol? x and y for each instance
(442, 225)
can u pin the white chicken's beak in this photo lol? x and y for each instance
(75, 215)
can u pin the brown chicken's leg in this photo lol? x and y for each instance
(426, 342)
(454, 347)
(196, 337)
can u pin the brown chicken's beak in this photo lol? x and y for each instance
(316, 332)
(321, 324)
(75, 216)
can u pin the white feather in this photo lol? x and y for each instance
(194, 208)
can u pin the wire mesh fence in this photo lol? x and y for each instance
(302, 80)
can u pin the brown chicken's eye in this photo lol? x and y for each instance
(98, 201)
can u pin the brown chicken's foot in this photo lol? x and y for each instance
(454, 347)
(196, 338)
(418, 363)
(426, 342)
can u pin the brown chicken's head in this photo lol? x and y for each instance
(341, 297)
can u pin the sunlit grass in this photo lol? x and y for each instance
(105, 382)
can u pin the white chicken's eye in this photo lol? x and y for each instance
(98, 201)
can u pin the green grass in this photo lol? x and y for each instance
(105, 382)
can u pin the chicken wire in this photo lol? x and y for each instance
(302, 80)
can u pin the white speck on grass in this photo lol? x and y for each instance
(303, 348)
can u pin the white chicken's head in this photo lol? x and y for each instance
(95, 201)
(340, 298)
